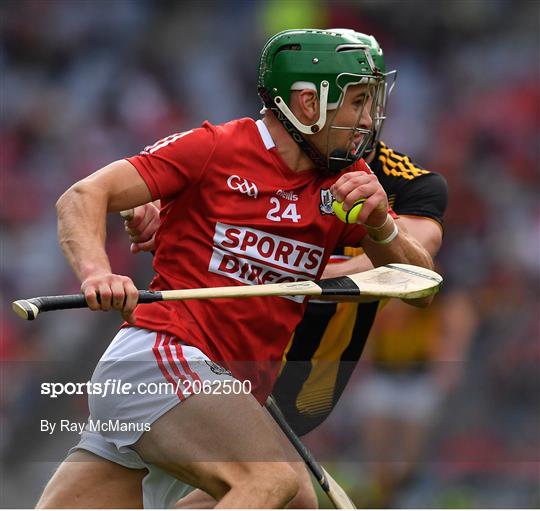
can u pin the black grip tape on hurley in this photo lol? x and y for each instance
(61, 302)
(339, 286)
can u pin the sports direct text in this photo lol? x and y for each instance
(257, 257)
(113, 386)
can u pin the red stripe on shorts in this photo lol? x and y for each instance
(183, 361)
(161, 365)
(172, 362)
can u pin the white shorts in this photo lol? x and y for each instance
(140, 377)
(160, 490)
(406, 396)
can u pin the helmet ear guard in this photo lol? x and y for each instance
(314, 155)
(304, 128)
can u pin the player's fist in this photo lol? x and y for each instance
(352, 186)
(106, 291)
(141, 225)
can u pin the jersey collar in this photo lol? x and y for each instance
(265, 134)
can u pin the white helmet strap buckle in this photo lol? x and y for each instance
(305, 128)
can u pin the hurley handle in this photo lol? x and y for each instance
(30, 308)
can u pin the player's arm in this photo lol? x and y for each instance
(418, 240)
(81, 212)
(385, 242)
(404, 247)
(390, 244)
(426, 231)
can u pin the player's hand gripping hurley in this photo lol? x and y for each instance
(390, 281)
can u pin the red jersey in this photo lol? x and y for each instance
(233, 213)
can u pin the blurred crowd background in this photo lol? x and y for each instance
(86, 82)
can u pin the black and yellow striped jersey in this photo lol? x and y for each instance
(329, 341)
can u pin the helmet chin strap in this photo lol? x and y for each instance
(326, 166)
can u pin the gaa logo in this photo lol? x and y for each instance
(243, 186)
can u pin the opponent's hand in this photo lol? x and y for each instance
(353, 186)
(142, 226)
(115, 292)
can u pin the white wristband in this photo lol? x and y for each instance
(380, 226)
(391, 237)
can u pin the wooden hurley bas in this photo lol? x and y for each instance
(403, 281)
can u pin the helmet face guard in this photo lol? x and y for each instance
(338, 159)
(327, 61)
(379, 115)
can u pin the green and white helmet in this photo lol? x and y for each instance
(327, 61)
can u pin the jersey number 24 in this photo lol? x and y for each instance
(277, 213)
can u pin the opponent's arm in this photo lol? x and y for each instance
(81, 212)
(141, 225)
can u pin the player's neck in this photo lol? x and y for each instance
(288, 149)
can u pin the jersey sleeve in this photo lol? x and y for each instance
(176, 161)
(425, 196)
